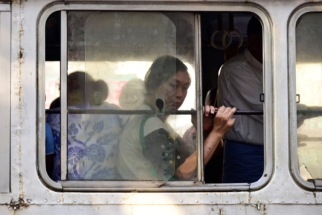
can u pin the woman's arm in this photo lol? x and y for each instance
(222, 122)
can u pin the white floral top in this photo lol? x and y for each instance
(92, 143)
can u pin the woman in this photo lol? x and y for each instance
(148, 148)
(92, 138)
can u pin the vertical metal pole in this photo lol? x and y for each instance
(199, 98)
(63, 95)
(5, 39)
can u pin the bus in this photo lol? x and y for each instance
(104, 102)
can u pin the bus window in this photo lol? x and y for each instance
(121, 97)
(52, 101)
(308, 91)
(233, 76)
(117, 63)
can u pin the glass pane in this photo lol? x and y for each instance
(52, 90)
(233, 77)
(52, 65)
(128, 74)
(309, 90)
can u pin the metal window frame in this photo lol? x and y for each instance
(63, 95)
(154, 186)
(5, 80)
(198, 74)
(294, 165)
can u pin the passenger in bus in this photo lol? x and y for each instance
(240, 84)
(149, 149)
(92, 138)
(99, 93)
(132, 94)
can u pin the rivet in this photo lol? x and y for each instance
(181, 201)
(29, 200)
(297, 201)
(162, 146)
(14, 208)
(283, 202)
(20, 173)
(90, 201)
(45, 200)
(211, 201)
(242, 202)
(227, 201)
(196, 201)
(106, 201)
(74, 200)
(166, 154)
(58, 200)
(170, 162)
(269, 201)
(178, 157)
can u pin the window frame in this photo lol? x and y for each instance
(153, 186)
(5, 73)
(294, 165)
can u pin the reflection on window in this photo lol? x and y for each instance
(117, 128)
(309, 90)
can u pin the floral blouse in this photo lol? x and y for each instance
(92, 143)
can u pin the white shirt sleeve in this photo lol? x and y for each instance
(239, 86)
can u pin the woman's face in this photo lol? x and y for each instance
(174, 90)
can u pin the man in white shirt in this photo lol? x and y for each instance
(240, 84)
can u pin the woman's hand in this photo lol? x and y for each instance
(218, 125)
(208, 118)
(223, 120)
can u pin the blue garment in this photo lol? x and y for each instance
(91, 143)
(50, 147)
(243, 163)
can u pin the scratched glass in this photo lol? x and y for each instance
(309, 91)
(128, 75)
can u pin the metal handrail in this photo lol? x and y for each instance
(146, 112)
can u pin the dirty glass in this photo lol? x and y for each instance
(130, 77)
(52, 94)
(309, 91)
(52, 63)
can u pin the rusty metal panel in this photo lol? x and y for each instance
(280, 196)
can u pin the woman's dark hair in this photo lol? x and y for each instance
(79, 80)
(102, 87)
(78, 83)
(162, 69)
